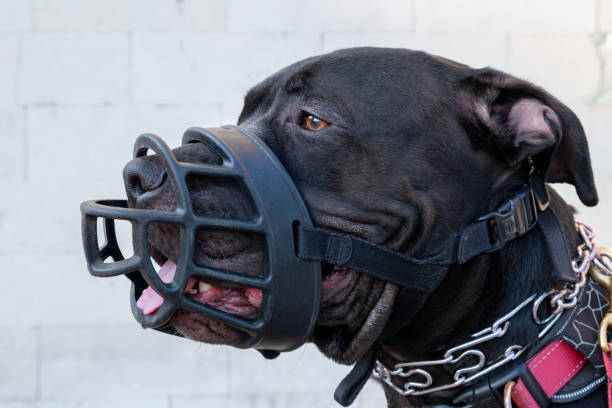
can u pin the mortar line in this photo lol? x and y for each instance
(598, 38)
(38, 363)
(32, 8)
(85, 326)
(228, 390)
(508, 50)
(413, 16)
(597, 16)
(226, 17)
(130, 74)
(322, 41)
(19, 66)
(220, 111)
(25, 142)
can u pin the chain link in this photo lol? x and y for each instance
(560, 301)
(463, 375)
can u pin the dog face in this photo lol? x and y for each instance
(397, 147)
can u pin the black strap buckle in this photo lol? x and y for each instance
(513, 219)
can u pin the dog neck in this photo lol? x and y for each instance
(473, 296)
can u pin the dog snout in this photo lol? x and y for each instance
(143, 175)
(146, 179)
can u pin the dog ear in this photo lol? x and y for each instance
(519, 120)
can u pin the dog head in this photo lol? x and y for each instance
(397, 147)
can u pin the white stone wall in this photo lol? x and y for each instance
(79, 80)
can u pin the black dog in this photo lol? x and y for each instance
(400, 148)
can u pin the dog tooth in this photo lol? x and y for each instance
(203, 287)
(193, 291)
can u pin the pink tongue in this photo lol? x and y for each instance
(150, 301)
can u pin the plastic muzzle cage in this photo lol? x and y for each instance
(291, 286)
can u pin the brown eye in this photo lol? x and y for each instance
(311, 122)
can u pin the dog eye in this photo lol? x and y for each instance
(311, 122)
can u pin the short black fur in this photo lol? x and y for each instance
(416, 149)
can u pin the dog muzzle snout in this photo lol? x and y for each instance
(286, 296)
(290, 286)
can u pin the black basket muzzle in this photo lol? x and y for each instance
(291, 286)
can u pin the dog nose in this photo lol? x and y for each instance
(147, 174)
(142, 175)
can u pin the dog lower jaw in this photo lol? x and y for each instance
(204, 329)
(243, 302)
(347, 309)
(336, 288)
(336, 283)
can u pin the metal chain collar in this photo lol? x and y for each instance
(560, 301)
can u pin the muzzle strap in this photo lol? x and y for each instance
(489, 233)
(318, 244)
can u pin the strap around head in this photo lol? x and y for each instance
(491, 232)
(355, 253)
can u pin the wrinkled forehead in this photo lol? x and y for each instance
(362, 74)
(261, 96)
(387, 69)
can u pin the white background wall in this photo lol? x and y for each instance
(79, 80)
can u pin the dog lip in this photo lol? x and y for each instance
(230, 298)
(243, 302)
(335, 280)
